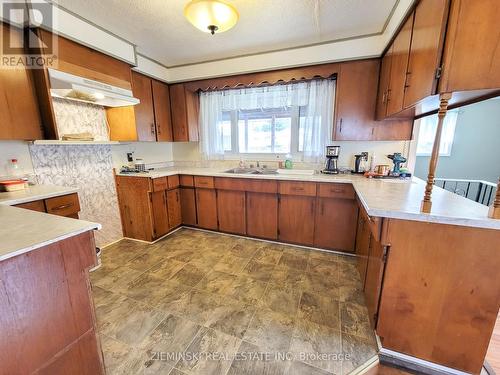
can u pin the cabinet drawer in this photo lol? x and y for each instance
(160, 184)
(246, 184)
(298, 188)
(66, 205)
(186, 180)
(332, 190)
(173, 181)
(33, 206)
(204, 182)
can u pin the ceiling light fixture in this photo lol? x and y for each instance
(211, 15)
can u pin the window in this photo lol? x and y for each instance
(262, 131)
(427, 134)
(293, 118)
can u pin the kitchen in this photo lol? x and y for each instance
(236, 198)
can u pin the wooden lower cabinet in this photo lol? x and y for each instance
(262, 215)
(231, 211)
(362, 246)
(373, 279)
(206, 208)
(159, 211)
(174, 208)
(64, 205)
(335, 225)
(296, 219)
(188, 206)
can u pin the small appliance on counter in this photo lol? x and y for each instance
(332, 159)
(384, 170)
(131, 170)
(360, 163)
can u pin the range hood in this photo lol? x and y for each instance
(71, 87)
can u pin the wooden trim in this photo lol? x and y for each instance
(443, 109)
(494, 212)
(266, 78)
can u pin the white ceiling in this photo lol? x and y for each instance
(160, 31)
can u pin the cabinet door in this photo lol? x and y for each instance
(355, 100)
(188, 206)
(373, 281)
(471, 56)
(296, 219)
(185, 108)
(161, 102)
(399, 65)
(174, 208)
(144, 111)
(18, 102)
(159, 213)
(362, 246)
(383, 85)
(426, 49)
(231, 211)
(206, 208)
(335, 225)
(33, 206)
(262, 215)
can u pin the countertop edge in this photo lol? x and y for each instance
(36, 197)
(92, 226)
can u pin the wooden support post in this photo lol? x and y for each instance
(495, 207)
(443, 109)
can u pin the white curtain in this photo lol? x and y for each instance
(315, 99)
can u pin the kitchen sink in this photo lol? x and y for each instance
(262, 171)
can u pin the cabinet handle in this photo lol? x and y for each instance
(406, 80)
(297, 189)
(322, 208)
(336, 190)
(384, 97)
(388, 97)
(152, 129)
(340, 125)
(62, 207)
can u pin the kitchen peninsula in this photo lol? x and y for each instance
(426, 276)
(45, 298)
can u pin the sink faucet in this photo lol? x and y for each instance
(258, 164)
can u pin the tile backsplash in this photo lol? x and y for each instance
(90, 169)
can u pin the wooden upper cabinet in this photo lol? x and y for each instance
(184, 107)
(399, 65)
(427, 42)
(471, 58)
(356, 105)
(383, 85)
(144, 111)
(355, 100)
(18, 102)
(161, 102)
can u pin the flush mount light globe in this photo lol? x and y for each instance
(211, 16)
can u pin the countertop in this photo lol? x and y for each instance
(390, 198)
(24, 230)
(34, 193)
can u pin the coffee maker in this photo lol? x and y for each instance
(332, 158)
(360, 163)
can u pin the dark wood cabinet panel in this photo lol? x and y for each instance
(18, 102)
(399, 66)
(373, 279)
(426, 50)
(188, 206)
(471, 55)
(160, 215)
(161, 101)
(206, 208)
(262, 215)
(144, 111)
(335, 224)
(64, 205)
(296, 219)
(184, 108)
(231, 211)
(174, 208)
(33, 206)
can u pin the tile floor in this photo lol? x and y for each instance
(206, 303)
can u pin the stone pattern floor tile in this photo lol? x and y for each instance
(199, 302)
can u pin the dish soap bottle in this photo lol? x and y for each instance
(288, 161)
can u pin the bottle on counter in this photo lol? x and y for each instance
(288, 161)
(13, 168)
